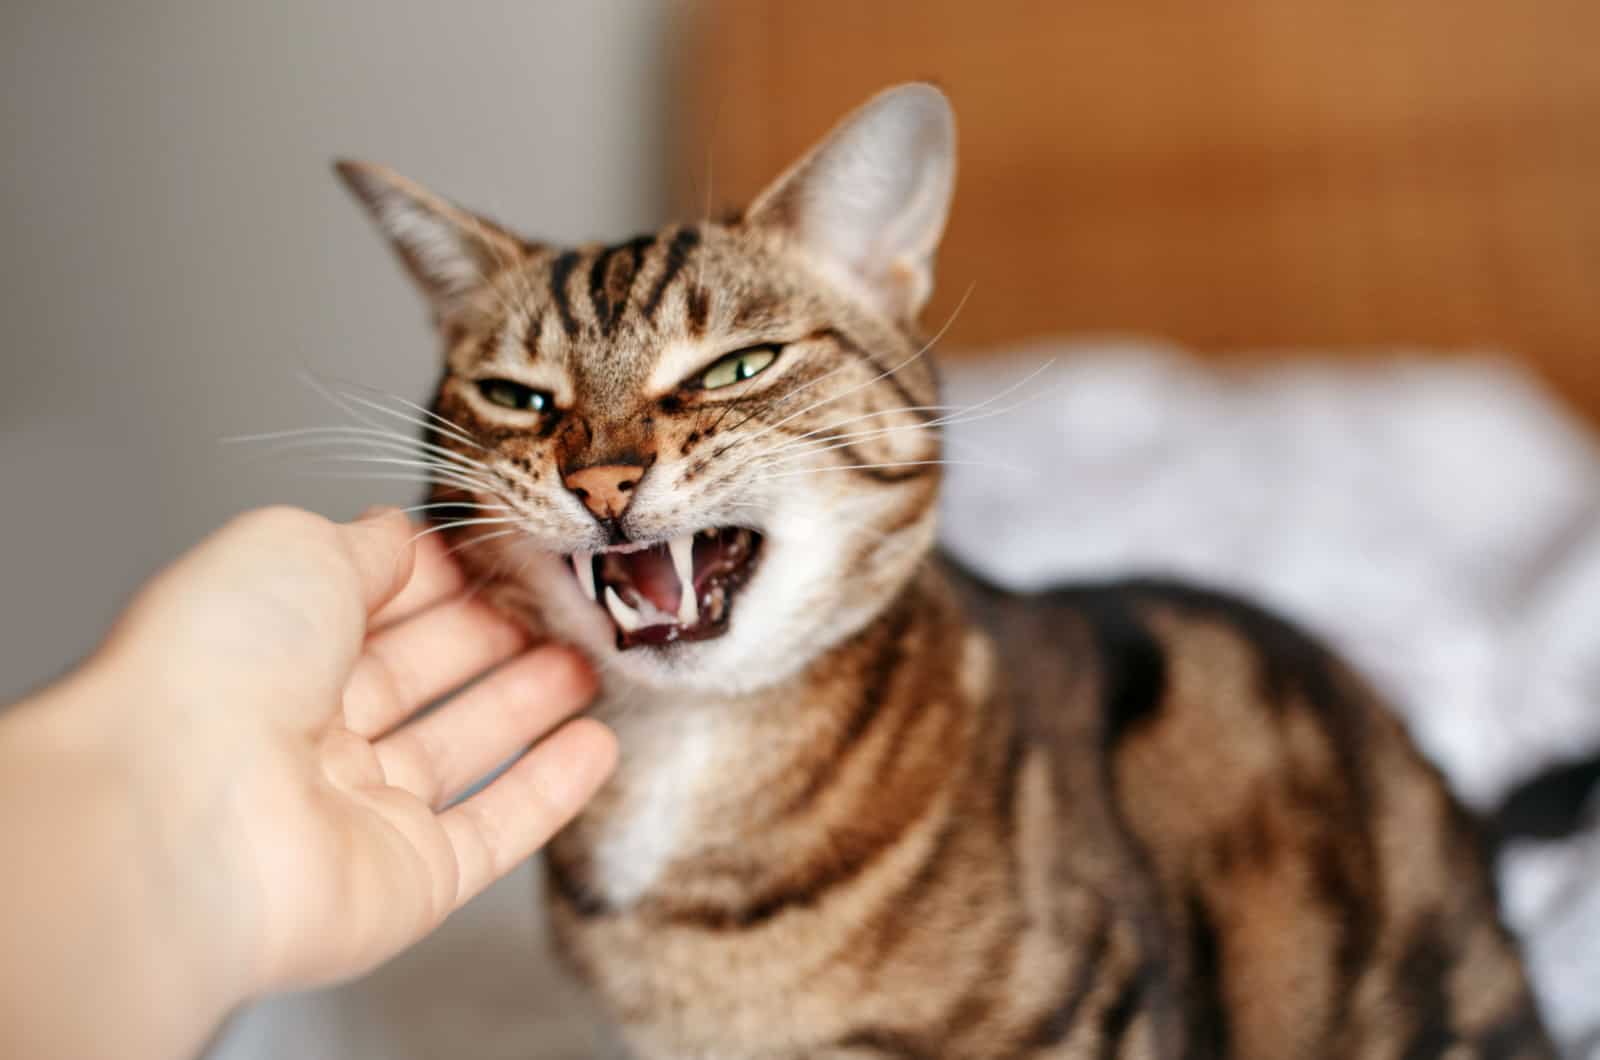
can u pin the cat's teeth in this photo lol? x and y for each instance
(583, 565)
(626, 617)
(682, 549)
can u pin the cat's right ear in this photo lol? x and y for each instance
(869, 202)
(450, 252)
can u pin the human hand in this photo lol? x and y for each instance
(253, 704)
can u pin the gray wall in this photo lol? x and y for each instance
(175, 250)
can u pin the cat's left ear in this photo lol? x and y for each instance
(870, 201)
(450, 252)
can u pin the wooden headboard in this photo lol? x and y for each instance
(1242, 176)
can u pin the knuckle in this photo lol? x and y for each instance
(282, 519)
(500, 635)
(565, 673)
(486, 830)
(371, 694)
(397, 676)
(551, 802)
(413, 770)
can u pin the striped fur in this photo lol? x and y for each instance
(1136, 820)
(894, 812)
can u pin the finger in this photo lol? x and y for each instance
(406, 666)
(434, 577)
(381, 551)
(494, 830)
(438, 756)
(281, 561)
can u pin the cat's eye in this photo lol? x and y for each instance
(738, 366)
(510, 395)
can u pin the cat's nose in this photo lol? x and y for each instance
(605, 489)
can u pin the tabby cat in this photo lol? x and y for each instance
(869, 806)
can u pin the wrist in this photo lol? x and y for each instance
(113, 892)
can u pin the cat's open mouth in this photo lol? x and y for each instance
(675, 590)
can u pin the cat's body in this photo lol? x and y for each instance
(868, 807)
(1131, 820)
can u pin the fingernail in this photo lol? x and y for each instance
(376, 512)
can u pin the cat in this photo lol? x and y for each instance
(868, 805)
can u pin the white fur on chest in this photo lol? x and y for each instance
(666, 766)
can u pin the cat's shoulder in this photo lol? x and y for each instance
(1136, 648)
(1124, 610)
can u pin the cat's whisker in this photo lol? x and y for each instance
(478, 539)
(496, 574)
(389, 476)
(458, 523)
(789, 395)
(823, 445)
(334, 448)
(893, 464)
(428, 475)
(956, 414)
(379, 455)
(375, 451)
(791, 453)
(972, 414)
(436, 424)
(433, 420)
(345, 402)
(490, 576)
(801, 438)
(779, 459)
(311, 437)
(861, 525)
(470, 505)
(859, 386)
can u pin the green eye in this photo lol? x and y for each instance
(738, 366)
(506, 394)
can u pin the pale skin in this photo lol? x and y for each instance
(231, 797)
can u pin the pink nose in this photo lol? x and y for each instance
(606, 489)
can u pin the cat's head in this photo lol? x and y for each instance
(744, 405)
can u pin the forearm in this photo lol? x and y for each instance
(98, 954)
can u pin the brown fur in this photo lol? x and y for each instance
(893, 812)
(1142, 821)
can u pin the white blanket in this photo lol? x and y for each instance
(1439, 523)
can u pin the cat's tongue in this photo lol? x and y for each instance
(650, 573)
(681, 589)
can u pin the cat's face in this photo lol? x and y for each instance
(703, 455)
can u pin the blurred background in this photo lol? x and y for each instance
(1298, 296)
(1242, 176)
(176, 248)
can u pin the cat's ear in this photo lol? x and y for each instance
(871, 199)
(450, 252)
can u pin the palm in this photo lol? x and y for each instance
(342, 822)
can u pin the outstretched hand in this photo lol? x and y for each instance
(254, 717)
